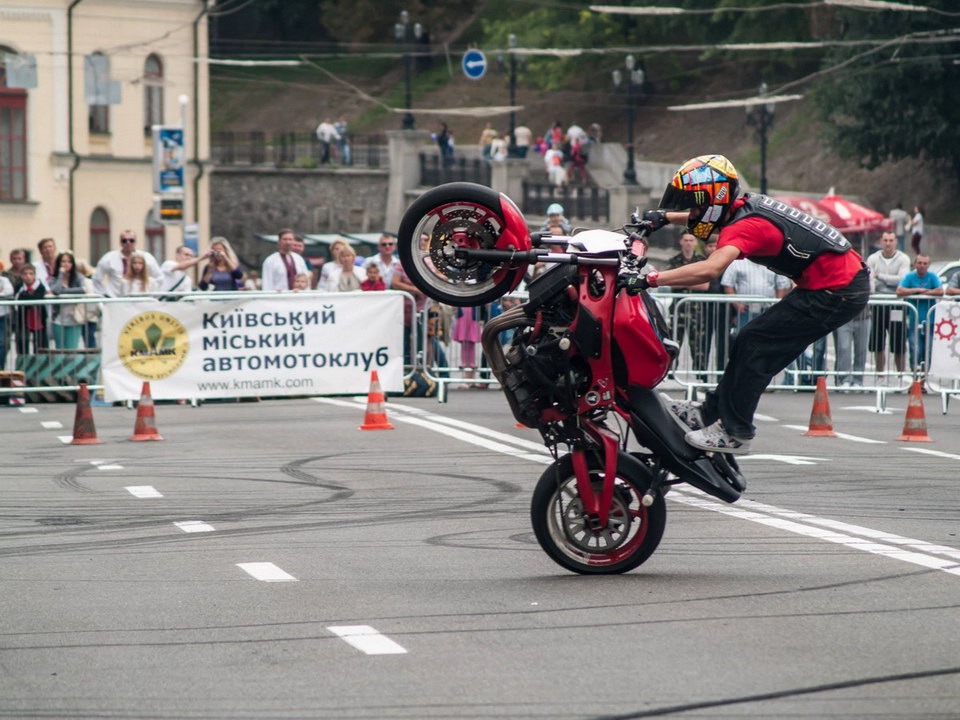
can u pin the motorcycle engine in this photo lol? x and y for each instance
(545, 370)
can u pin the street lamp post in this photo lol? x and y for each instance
(761, 117)
(634, 86)
(512, 43)
(402, 33)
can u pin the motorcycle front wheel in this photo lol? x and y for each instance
(632, 532)
(447, 217)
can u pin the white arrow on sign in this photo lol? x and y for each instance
(788, 459)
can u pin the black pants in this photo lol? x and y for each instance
(771, 341)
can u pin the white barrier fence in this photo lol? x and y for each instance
(880, 352)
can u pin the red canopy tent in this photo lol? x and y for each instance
(848, 217)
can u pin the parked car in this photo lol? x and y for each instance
(945, 269)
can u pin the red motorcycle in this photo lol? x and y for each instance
(581, 367)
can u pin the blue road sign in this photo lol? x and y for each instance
(474, 64)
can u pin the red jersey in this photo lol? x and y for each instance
(758, 237)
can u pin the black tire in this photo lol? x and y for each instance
(557, 529)
(478, 216)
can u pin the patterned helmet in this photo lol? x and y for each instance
(708, 185)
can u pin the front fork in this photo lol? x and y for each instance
(597, 508)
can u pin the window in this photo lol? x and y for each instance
(99, 117)
(99, 234)
(155, 234)
(13, 138)
(152, 93)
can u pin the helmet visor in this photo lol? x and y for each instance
(675, 198)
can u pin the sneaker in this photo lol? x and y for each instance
(714, 438)
(686, 413)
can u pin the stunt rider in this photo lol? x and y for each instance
(832, 287)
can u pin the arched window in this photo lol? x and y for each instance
(152, 93)
(155, 234)
(99, 115)
(13, 137)
(99, 234)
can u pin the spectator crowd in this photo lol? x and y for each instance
(887, 331)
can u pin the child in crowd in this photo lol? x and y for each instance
(374, 279)
(301, 283)
(31, 320)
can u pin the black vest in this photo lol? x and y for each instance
(804, 237)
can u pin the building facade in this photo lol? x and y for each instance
(81, 84)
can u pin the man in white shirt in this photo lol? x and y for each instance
(280, 270)
(743, 277)
(175, 278)
(901, 220)
(522, 137)
(46, 272)
(108, 277)
(888, 266)
(384, 259)
(326, 134)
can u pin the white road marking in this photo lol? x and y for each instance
(367, 640)
(266, 571)
(822, 533)
(844, 436)
(870, 408)
(143, 491)
(922, 552)
(194, 526)
(474, 437)
(788, 459)
(51, 424)
(28, 410)
(935, 453)
(109, 467)
(65, 439)
(764, 418)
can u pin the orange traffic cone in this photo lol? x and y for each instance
(376, 417)
(915, 423)
(145, 427)
(84, 432)
(820, 423)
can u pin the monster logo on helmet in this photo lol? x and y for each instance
(707, 185)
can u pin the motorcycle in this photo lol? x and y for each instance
(581, 367)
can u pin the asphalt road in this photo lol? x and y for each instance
(287, 565)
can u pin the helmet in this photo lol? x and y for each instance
(708, 185)
(554, 209)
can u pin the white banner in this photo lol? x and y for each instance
(945, 333)
(304, 344)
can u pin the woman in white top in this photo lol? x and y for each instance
(345, 276)
(136, 280)
(916, 229)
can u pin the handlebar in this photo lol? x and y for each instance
(531, 256)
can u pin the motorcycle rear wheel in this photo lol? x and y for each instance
(632, 533)
(451, 216)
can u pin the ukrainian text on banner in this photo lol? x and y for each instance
(304, 344)
(945, 349)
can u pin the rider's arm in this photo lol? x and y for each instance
(699, 272)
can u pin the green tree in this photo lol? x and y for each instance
(898, 100)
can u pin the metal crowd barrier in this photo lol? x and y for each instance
(61, 369)
(707, 325)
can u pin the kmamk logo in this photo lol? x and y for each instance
(153, 345)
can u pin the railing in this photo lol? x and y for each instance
(47, 364)
(583, 202)
(704, 325)
(297, 150)
(436, 171)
